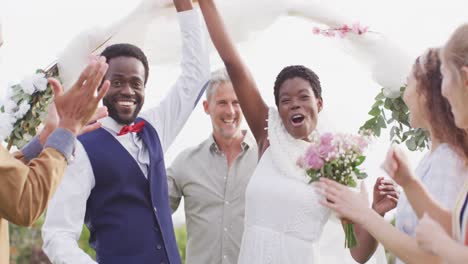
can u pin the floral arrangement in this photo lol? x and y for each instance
(356, 28)
(389, 109)
(25, 108)
(337, 157)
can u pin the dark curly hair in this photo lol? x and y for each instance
(426, 71)
(126, 50)
(300, 71)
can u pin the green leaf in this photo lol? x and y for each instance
(377, 131)
(393, 132)
(388, 103)
(381, 122)
(411, 144)
(380, 96)
(421, 140)
(362, 175)
(371, 122)
(374, 111)
(352, 183)
(359, 160)
(377, 103)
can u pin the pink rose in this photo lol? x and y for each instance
(326, 139)
(313, 158)
(326, 147)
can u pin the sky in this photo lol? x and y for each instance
(35, 31)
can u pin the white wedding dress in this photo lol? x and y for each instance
(283, 217)
(284, 221)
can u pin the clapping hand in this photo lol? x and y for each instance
(52, 121)
(76, 107)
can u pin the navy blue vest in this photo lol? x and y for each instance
(129, 216)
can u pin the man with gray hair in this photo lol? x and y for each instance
(212, 178)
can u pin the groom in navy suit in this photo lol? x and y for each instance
(117, 184)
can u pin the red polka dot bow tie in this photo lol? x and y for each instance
(132, 128)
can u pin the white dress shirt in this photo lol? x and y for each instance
(67, 209)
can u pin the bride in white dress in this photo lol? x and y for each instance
(283, 217)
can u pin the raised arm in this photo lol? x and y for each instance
(252, 104)
(169, 117)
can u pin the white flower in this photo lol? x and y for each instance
(27, 137)
(23, 109)
(33, 83)
(10, 107)
(6, 125)
(28, 86)
(40, 82)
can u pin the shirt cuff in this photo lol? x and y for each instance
(63, 141)
(189, 18)
(32, 149)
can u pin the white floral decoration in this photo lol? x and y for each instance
(24, 107)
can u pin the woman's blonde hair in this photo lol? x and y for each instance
(455, 51)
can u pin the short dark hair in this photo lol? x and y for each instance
(126, 50)
(300, 71)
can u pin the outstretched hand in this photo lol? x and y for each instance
(345, 202)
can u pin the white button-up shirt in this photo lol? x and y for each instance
(67, 209)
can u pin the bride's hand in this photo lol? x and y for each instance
(346, 203)
(397, 166)
(385, 196)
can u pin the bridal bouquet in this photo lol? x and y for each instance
(337, 157)
(25, 108)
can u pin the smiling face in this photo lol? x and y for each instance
(298, 107)
(224, 110)
(126, 95)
